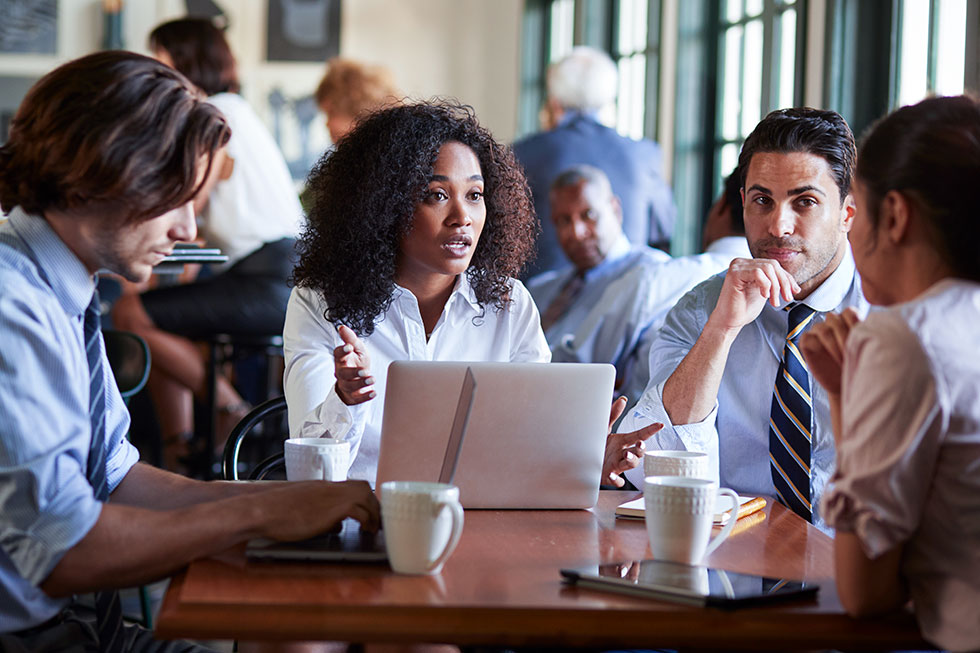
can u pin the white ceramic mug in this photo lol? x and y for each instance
(679, 512)
(422, 523)
(316, 459)
(676, 463)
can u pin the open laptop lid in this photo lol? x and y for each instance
(535, 437)
(464, 407)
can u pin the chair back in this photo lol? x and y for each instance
(129, 358)
(229, 460)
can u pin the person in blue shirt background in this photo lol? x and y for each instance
(580, 85)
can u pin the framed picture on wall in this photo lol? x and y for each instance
(29, 26)
(303, 30)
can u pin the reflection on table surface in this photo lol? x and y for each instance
(502, 586)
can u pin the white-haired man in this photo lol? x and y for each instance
(580, 85)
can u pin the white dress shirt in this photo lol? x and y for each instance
(464, 332)
(735, 433)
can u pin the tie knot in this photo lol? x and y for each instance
(800, 316)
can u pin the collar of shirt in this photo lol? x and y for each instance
(731, 245)
(71, 284)
(619, 250)
(571, 115)
(462, 293)
(829, 295)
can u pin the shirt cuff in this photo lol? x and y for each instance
(67, 517)
(331, 419)
(697, 436)
(841, 511)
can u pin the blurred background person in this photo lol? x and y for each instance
(250, 210)
(904, 385)
(595, 310)
(350, 89)
(579, 86)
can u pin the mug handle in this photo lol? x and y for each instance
(726, 530)
(457, 514)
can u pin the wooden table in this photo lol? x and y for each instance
(502, 587)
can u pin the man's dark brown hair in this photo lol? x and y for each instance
(113, 130)
(802, 129)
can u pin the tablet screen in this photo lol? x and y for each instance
(689, 584)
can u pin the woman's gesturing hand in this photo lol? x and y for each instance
(353, 369)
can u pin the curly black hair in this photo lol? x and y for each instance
(363, 196)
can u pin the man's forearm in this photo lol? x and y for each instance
(148, 487)
(692, 390)
(130, 546)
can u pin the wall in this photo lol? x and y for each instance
(466, 49)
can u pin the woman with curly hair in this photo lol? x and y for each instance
(419, 222)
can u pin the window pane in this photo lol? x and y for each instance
(632, 26)
(562, 28)
(753, 7)
(727, 160)
(632, 79)
(731, 102)
(752, 77)
(733, 11)
(787, 58)
(914, 54)
(951, 47)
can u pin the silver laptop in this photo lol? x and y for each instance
(517, 435)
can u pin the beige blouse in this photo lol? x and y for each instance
(908, 468)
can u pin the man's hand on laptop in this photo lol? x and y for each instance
(352, 368)
(624, 451)
(300, 510)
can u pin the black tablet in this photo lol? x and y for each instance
(350, 544)
(691, 585)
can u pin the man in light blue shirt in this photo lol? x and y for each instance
(595, 310)
(103, 159)
(714, 368)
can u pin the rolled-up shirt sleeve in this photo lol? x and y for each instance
(892, 422)
(46, 502)
(315, 409)
(680, 331)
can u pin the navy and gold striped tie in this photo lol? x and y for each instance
(108, 612)
(790, 420)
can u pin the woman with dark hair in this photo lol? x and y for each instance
(250, 210)
(419, 223)
(905, 383)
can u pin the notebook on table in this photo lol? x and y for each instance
(534, 437)
(747, 505)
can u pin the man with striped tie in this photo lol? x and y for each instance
(104, 156)
(726, 373)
